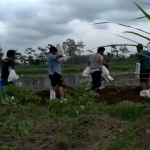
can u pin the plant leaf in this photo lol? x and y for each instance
(118, 45)
(124, 26)
(120, 36)
(138, 18)
(137, 34)
(147, 3)
(144, 12)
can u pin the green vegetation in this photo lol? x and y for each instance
(74, 69)
(76, 124)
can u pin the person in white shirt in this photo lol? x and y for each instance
(95, 63)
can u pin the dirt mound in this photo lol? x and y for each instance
(108, 95)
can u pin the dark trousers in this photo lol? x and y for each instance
(96, 79)
(144, 75)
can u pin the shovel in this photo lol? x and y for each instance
(113, 86)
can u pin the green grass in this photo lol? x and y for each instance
(76, 124)
(73, 69)
(99, 126)
(123, 139)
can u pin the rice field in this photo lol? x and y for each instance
(74, 69)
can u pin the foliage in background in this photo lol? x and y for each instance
(71, 48)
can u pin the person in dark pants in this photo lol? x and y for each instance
(7, 65)
(95, 63)
(54, 70)
(144, 60)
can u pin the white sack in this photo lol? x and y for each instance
(137, 69)
(145, 93)
(63, 59)
(102, 84)
(60, 50)
(105, 74)
(109, 77)
(105, 71)
(12, 76)
(86, 72)
(52, 95)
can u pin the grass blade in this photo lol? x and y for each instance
(138, 18)
(137, 34)
(120, 36)
(147, 3)
(124, 26)
(144, 12)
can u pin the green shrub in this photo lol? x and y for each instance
(21, 95)
(78, 101)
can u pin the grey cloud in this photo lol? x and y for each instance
(91, 10)
(31, 22)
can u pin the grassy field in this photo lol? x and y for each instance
(76, 124)
(98, 128)
(72, 69)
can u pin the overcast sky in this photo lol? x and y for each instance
(33, 23)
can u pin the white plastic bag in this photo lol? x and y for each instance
(105, 74)
(102, 84)
(86, 72)
(60, 50)
(137, 70)
(52, 95)
(12, 76)
(63, 59)
(105, 71)
(109, 77)
(145, 93)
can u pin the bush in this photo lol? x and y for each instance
(78, 100)
(21, 95)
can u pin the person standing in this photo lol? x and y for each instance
(7, 65)
(55, 74)
(144, 60)
(95, 63)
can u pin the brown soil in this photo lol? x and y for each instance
(86, 132)
(108, 95)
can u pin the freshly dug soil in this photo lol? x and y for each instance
(107, 95)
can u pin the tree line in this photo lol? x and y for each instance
(73, 51)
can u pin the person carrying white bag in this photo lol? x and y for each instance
(8, 74)
(143, 70)
(95, 63)
(55, 74)
(98, 70)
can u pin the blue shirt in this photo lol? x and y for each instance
(144, 59)
(53, 64)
